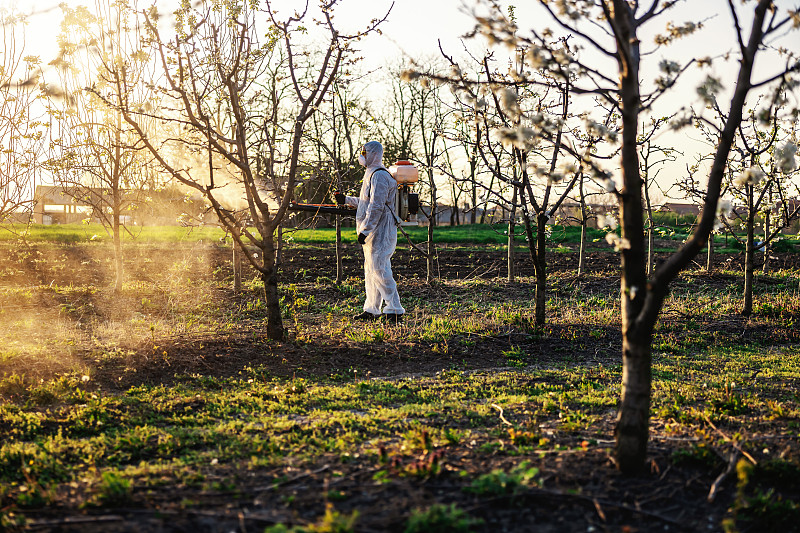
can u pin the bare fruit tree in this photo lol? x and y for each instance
(22, 134)
(242, 103)
(610, 30)
(95, 157)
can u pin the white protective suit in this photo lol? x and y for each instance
(375, 218)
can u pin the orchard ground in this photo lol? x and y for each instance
(164, 408)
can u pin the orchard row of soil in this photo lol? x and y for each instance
(164, 407)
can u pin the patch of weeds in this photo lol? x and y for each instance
(114, 490)
(369, 335)
(728, 400)
(34, 496)
(511, 316)
(501, 483)
(699, 454)
(427, 466)
(516, 356)
(332, 522)
(442, 328)
(419, 438)
(776, 472)
(523, 438)
(10, 521)
(453, 436)
(440, 518)
(759, 508)
(336, 495)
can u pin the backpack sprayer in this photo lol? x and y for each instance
(406, 175)
(406, 208)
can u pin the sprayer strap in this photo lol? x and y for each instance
(397, 220)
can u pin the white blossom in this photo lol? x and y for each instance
(569, 168)
(607, 221)
(562, 57)
(724, 211)
(669, 67)
(409, 75)
(751, 176)
(784, 157)
(535, 58)
(617, 242)
(709, 88)
(508, 98)
(519, 137)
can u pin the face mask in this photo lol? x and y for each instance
(362, 160)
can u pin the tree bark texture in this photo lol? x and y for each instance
(269, 275)
(710, 254)
(236, 261)
(642, 300)
(511, 229)
(339, 269)
(540, 268)
(749, 256)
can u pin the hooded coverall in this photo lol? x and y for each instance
(375, 218)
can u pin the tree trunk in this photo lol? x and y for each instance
(118, 263)
(749, 257)
(649, 209)
(339, 272)
(767, 230)
(511, 229)
(429, 276)
(269, 275)
(710, 253)
(541, 274)
(584, 224)
(236, 261)
(631, 432)
(633, 419)
(279, 249)
(642, 299)
(474, 212)
(650, 239)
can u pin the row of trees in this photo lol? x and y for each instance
(609, 33)
(237, 106)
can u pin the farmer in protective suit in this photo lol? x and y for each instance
(376, 225)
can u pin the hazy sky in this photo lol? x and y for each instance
(414, 28)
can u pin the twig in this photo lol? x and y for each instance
(728, 439)
(288, 481)
(599, 509)
(72, 520)
(501, 415)
(732, 460)
(408, 238)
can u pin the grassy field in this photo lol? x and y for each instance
(480, 234)
(166, 405)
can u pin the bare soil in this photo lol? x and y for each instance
(580, 491)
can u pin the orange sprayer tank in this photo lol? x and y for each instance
(404, 172)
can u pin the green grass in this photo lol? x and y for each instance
(153, 434)
(78, 430)
(467, 234)
(75, 233)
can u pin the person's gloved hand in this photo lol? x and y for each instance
(340, 198)
(362, 238)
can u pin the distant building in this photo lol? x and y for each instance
(53, 205)
(60, 205)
